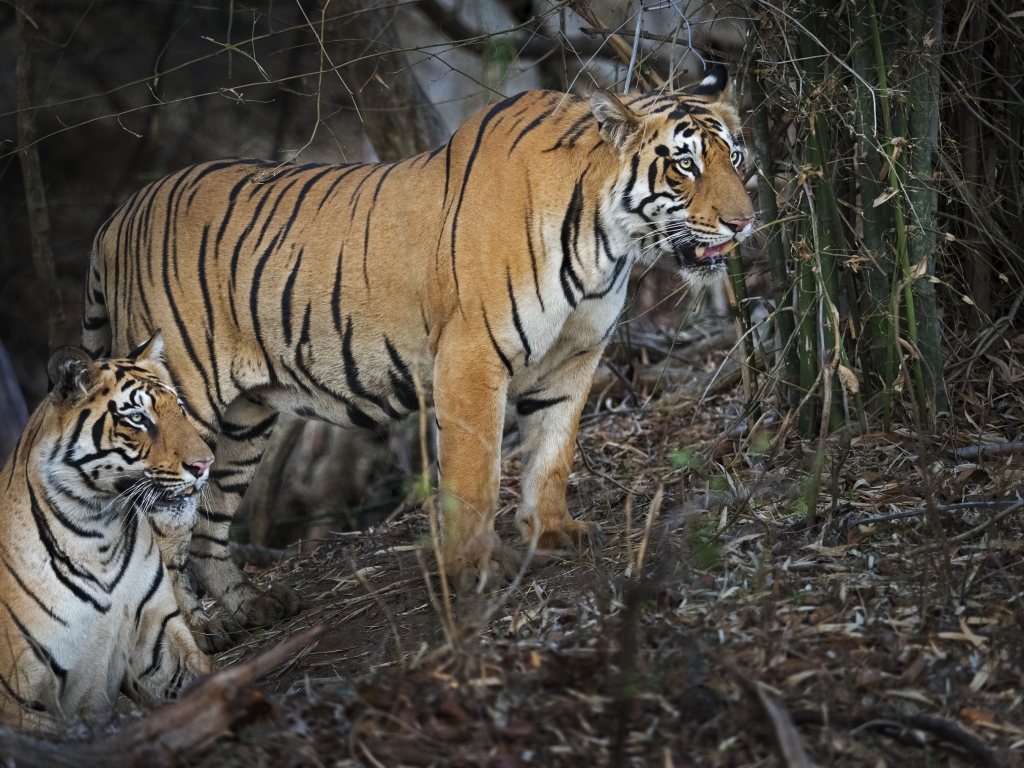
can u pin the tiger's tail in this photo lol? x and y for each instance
(96, 336)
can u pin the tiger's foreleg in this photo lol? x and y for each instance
(470, 389)
(247, 427)
(549, 417)
(211, 635)
(165, 656)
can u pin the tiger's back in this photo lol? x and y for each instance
(87, 605)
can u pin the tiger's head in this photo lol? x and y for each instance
(124, 437)
(679, 190)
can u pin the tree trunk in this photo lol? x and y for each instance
(35, 191)
(397, 116)
(13, 412)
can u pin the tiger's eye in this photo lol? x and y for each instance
(685, 163)
(737, 157)
(136, 418)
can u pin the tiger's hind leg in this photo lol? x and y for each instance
(247, 427)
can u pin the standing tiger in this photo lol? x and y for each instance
(106, 460)
(493, 269)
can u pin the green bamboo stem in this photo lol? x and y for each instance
(878, 274)
(807, 339)
(785, 325)
(830, 240)
(902, 257)
(924, 18)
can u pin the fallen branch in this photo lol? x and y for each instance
(216, 706)
(976, 451)
(945, 508)
(976, 531)
(944, 730)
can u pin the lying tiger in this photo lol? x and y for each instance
(492, 269)
(88, 608)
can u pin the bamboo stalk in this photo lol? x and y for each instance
(807, 340)
(895, 182)
(785, 326)
(829, 240)
(924, 22)
(878, 273)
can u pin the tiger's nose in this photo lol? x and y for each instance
(739, 224)
(197, 468)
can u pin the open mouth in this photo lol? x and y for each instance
(691, 255)
(175, 495)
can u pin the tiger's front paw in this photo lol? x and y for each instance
(485, 574)
(278, 602)
(216, 635)
(570, 534)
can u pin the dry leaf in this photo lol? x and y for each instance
(920, 269)
(883, 197)
(849, 379)
(974, 715)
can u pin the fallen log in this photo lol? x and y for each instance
(218, 705)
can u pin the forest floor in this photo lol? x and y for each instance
(710, 627)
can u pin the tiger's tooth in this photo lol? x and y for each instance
(700, 251)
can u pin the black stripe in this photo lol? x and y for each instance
(59, 558)
(528, 405)
(494, 343)
(159, 643)
(497, 110)
(570, 235)
(204, 288)
(352, 375)
(402, 383)
(337, 181)
(529, 242)
(39, 650)
(516, 320)
(30, 593)
(154, 584)
(243, 433)
(533, 124)
(286, 301)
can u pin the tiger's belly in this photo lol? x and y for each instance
(374, 378)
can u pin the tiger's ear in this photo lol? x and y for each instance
(617, 122)
(715, 85)
(71, 373)
(151, 350)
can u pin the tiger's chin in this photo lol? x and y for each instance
(701, 265)
(177, 508)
